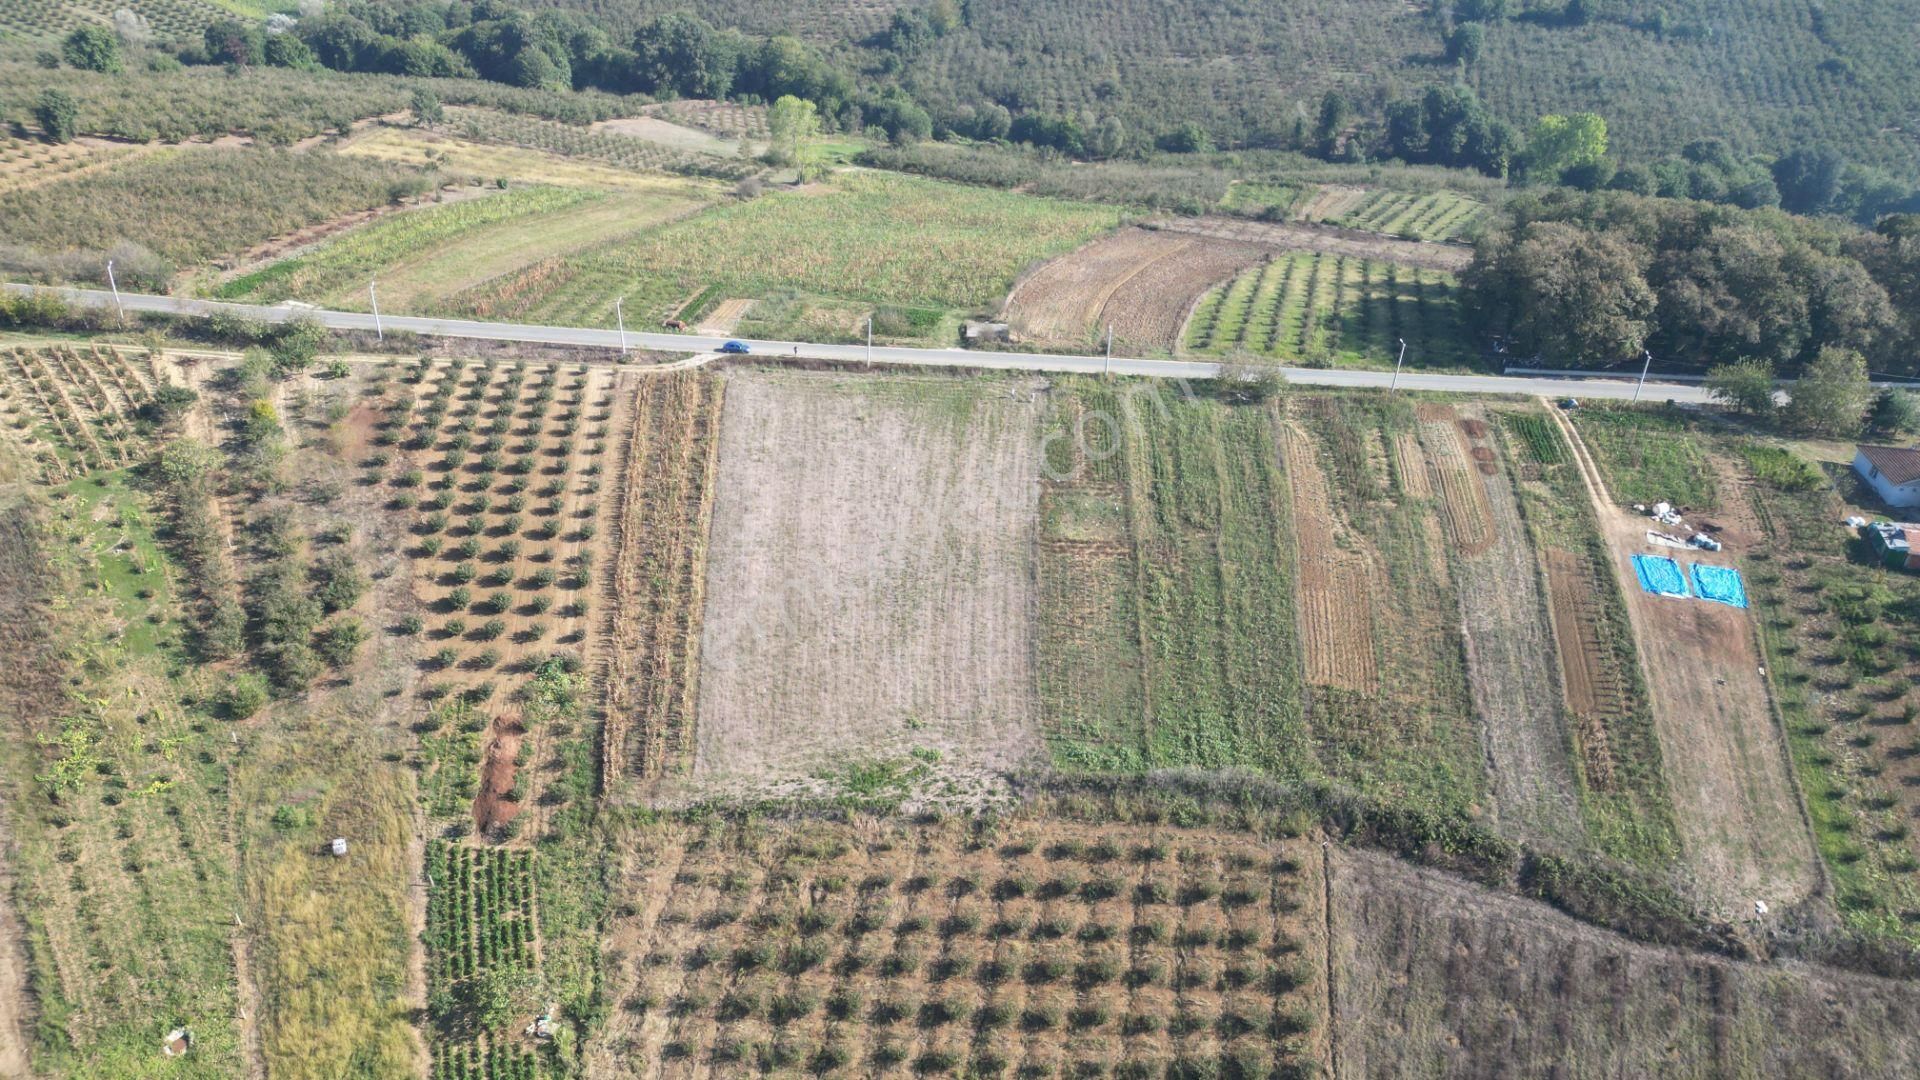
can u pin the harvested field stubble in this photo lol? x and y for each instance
(1337, 582)
(1510, 655)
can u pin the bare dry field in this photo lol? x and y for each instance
(1434, 977)
(870, 580)
(1141, 281)
(666, 133)
(1735, 804)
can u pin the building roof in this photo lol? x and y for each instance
(1899, 464)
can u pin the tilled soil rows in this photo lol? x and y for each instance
(1337, 583)
(1142, 282)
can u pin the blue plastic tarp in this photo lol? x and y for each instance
(1660, 575)
(1720, 584)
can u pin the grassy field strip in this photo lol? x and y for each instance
(358, 255)
(423, 283)
(1412, 739)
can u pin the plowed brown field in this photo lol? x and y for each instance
(1337, 583)
(1143, 282)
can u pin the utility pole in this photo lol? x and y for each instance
(373, 295)
(622, 317)
(1395, 383)
(115, 286)
(869, 340)
(1643, 374)
(1109, 364)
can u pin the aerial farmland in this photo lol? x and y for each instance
(591, 542)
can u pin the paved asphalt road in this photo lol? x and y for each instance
(610, 339)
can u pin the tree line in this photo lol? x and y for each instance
(1594, 279)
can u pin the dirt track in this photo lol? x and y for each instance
(870, 579)
(1740, 823)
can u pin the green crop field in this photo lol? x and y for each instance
(422, 256)
(1166, 582)
(1442, 215)
(1333, 311)
(865, 237)
(1648, 457)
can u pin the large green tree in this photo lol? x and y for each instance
(57, 114)
(1832, 395)
(1747, 385)
(1571, 295)
(93, 48)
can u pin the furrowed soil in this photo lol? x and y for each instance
(1337, 582)
(1435, 977)
(870, 582)
(1510, 653)
(1142, 282)
(1739, 820)
(874, 945)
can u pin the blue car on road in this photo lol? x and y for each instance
(735, 347)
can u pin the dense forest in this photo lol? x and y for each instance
(1603, 277)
